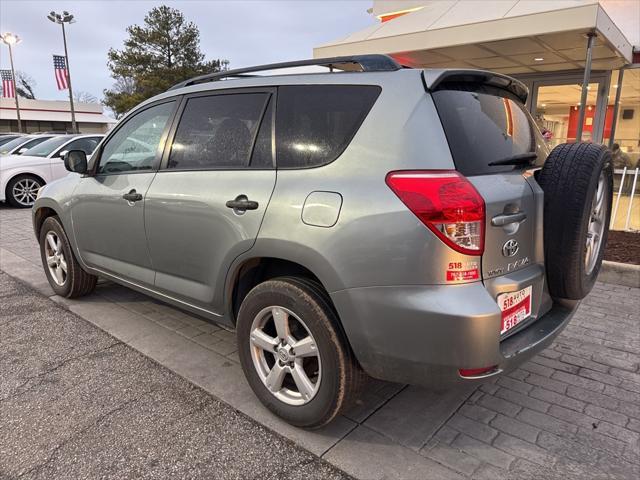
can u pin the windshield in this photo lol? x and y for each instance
(47, 147)
(16, 142)
(7, 138)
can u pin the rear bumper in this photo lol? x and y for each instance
(424, 334)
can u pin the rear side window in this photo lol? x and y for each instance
(483, 125)
(315, 123)
(217, 131)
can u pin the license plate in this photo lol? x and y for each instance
(515, 307)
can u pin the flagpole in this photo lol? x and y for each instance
(10, 39)
(66, 59)
(63, 18)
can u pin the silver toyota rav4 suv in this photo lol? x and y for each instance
(405, 224)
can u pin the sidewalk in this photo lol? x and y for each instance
(572, 412)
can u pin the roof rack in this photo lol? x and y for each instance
(367, 63)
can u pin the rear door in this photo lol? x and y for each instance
(484, 125)
(206, 204)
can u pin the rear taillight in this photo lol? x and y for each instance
(447, 203)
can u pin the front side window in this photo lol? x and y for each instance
(137, 143)
(217, 131)
(315, 123)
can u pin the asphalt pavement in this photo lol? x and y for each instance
(77, 403)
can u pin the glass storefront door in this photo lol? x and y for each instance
(554, 102)
(625, 147)
(556, 108)
(627, 132)
(557, 112)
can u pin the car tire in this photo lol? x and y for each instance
(57, 255)
(577, 179)
(22, 190)
(335, 376)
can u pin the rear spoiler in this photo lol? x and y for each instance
(437, 78)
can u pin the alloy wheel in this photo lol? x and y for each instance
(56, 261)
(595, 230)
(25, 191)
(285, 355)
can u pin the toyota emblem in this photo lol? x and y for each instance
(510, 248)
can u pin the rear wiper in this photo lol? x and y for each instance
(520, 159)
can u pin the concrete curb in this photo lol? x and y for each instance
(620, 274)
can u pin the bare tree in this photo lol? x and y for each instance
(84, 97)
(25, 85)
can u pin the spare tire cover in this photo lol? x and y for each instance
(577, 179)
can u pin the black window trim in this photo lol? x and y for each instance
(271, 97)
(98, 153)
(348, 139)
(270, 101)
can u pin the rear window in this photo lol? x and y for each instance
(483, 125)
(315, 123)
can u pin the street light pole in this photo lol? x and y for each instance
(66, 17)
(66, 56)
(10, 39)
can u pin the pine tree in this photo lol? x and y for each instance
(157, 55)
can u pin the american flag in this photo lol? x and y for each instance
(60, 69)
(8, 85)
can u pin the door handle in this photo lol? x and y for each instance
(132, 196)
(242, 203)
(507, 218)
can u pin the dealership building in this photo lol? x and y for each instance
(563, 50)
(549, 45)
(52, 116)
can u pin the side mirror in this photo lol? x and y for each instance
(62, 153)
(75, 161)
(22, 150)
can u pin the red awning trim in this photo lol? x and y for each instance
(49, 110)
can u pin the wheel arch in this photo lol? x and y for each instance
(40, 214)
(254, 270)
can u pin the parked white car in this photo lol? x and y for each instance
(21, 144)
(21, 176)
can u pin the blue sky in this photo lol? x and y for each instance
(245, 32)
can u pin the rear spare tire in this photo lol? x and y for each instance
(577, 180)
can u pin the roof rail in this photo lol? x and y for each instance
(367, 63)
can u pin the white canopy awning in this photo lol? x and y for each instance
(513, 36)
